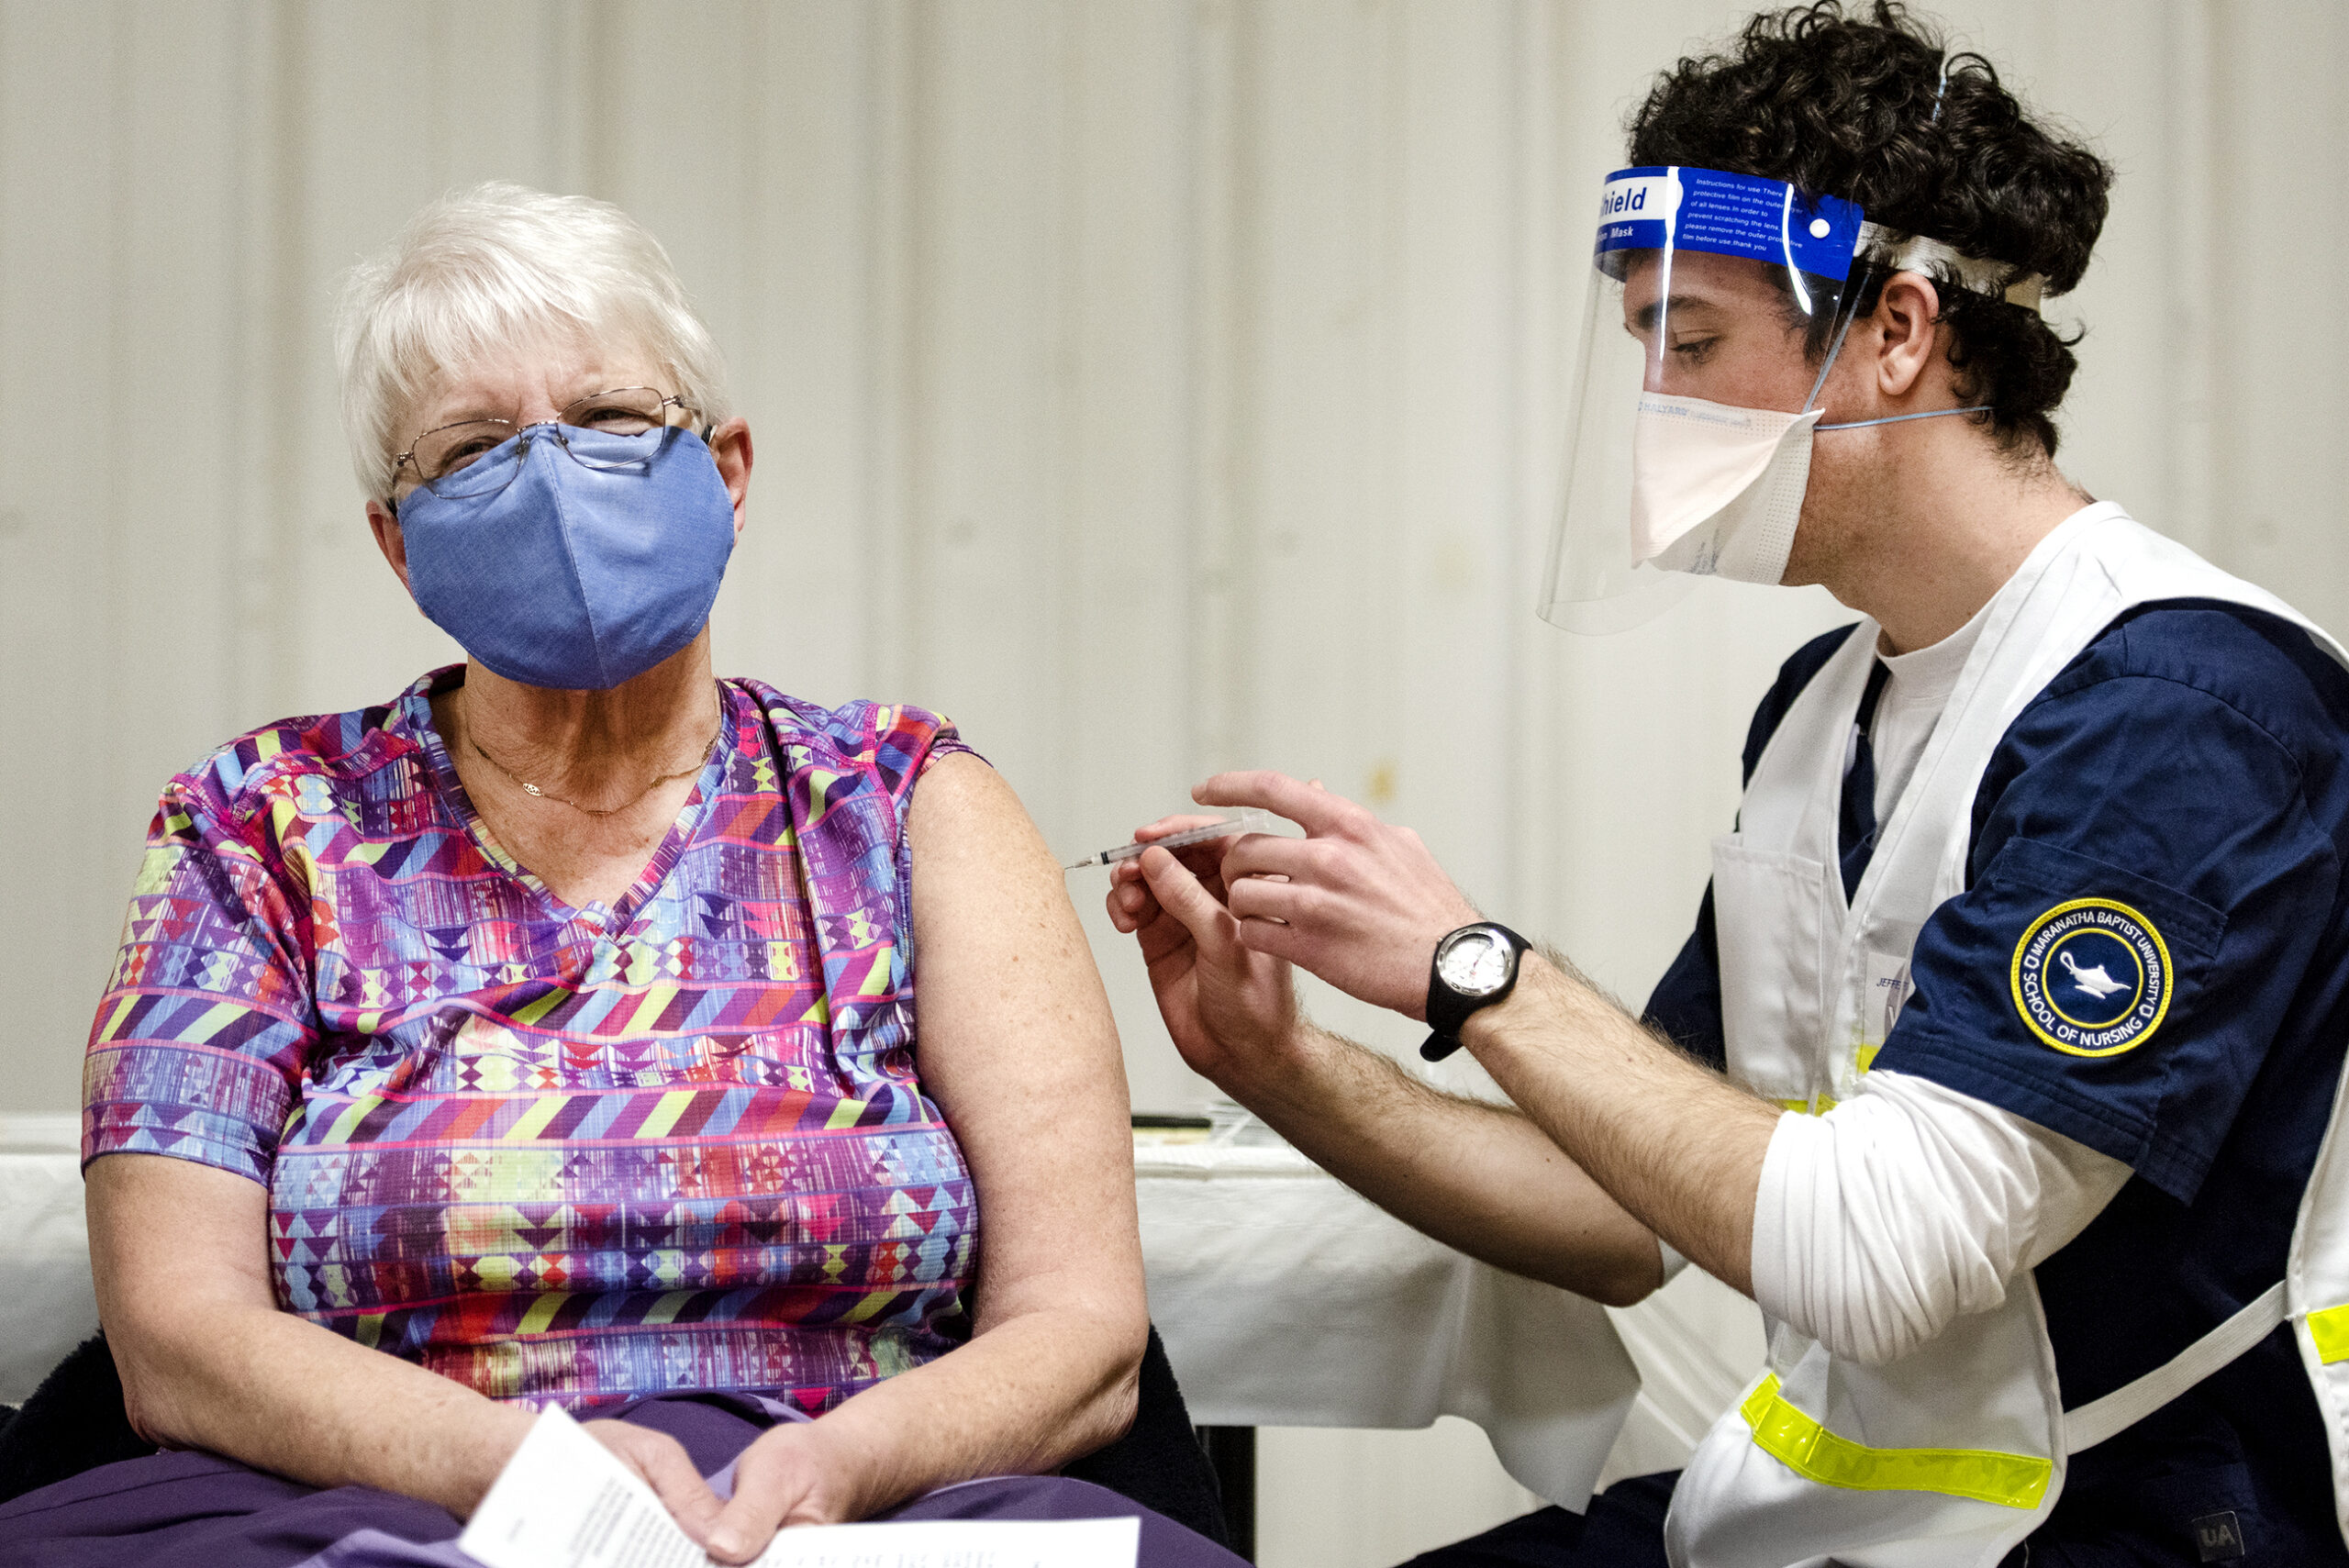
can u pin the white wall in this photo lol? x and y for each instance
(1154, 385)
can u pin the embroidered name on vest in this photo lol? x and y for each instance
(2091, 977)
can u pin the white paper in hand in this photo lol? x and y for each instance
(566, 1501)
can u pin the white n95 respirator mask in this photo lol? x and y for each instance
(1717, 491)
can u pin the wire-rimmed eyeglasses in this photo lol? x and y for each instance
(479, 457)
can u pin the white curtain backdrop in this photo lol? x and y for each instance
(1154, 385)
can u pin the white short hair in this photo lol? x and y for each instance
(498, 266)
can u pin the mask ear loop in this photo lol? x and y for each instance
(1867, 274)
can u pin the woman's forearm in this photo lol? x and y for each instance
(282, 1394)
(209, 1361)
(1024, 1397)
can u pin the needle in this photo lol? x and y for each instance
(1249, 821)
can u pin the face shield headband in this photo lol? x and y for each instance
(1718, 304)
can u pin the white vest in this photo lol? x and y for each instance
(1953, 1454)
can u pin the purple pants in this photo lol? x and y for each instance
(176, 1508)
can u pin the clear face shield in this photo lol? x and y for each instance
(1717, 304)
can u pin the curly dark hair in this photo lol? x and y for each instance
(1852, 102)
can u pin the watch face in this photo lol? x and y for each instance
(1474, 963)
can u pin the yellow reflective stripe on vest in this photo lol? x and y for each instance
(2329, 1329)
(1810, 1450)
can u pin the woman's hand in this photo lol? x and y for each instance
(787, 1477)
(1227, 1008)
(662, 1464)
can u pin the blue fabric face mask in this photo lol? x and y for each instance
(587, 567)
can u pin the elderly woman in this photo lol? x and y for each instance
(577, 1028)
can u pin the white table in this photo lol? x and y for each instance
(46, 1303)
(1286, 1300)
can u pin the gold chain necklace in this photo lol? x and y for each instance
(537, 794)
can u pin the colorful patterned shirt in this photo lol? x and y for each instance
(560, 1155)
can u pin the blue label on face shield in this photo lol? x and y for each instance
(1729, 215)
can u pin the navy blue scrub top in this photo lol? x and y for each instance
(2151, 957)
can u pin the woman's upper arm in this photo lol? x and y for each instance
(1017, 1045)
(172, 1229)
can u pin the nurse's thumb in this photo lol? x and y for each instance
(1184, 896)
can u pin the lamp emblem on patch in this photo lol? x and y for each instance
(2092, 977)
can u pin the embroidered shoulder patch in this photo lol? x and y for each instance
(2092, 977)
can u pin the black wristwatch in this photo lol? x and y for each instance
(1473, 967)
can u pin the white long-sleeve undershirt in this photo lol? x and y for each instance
(1907, 1205)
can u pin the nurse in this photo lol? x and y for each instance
(2001, 1067)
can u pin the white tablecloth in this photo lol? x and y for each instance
(1286, 1300)
(46, 1303)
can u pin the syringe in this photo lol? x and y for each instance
(1249, 820)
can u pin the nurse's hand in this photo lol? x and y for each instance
(1231, 1010)
(1357, 901)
